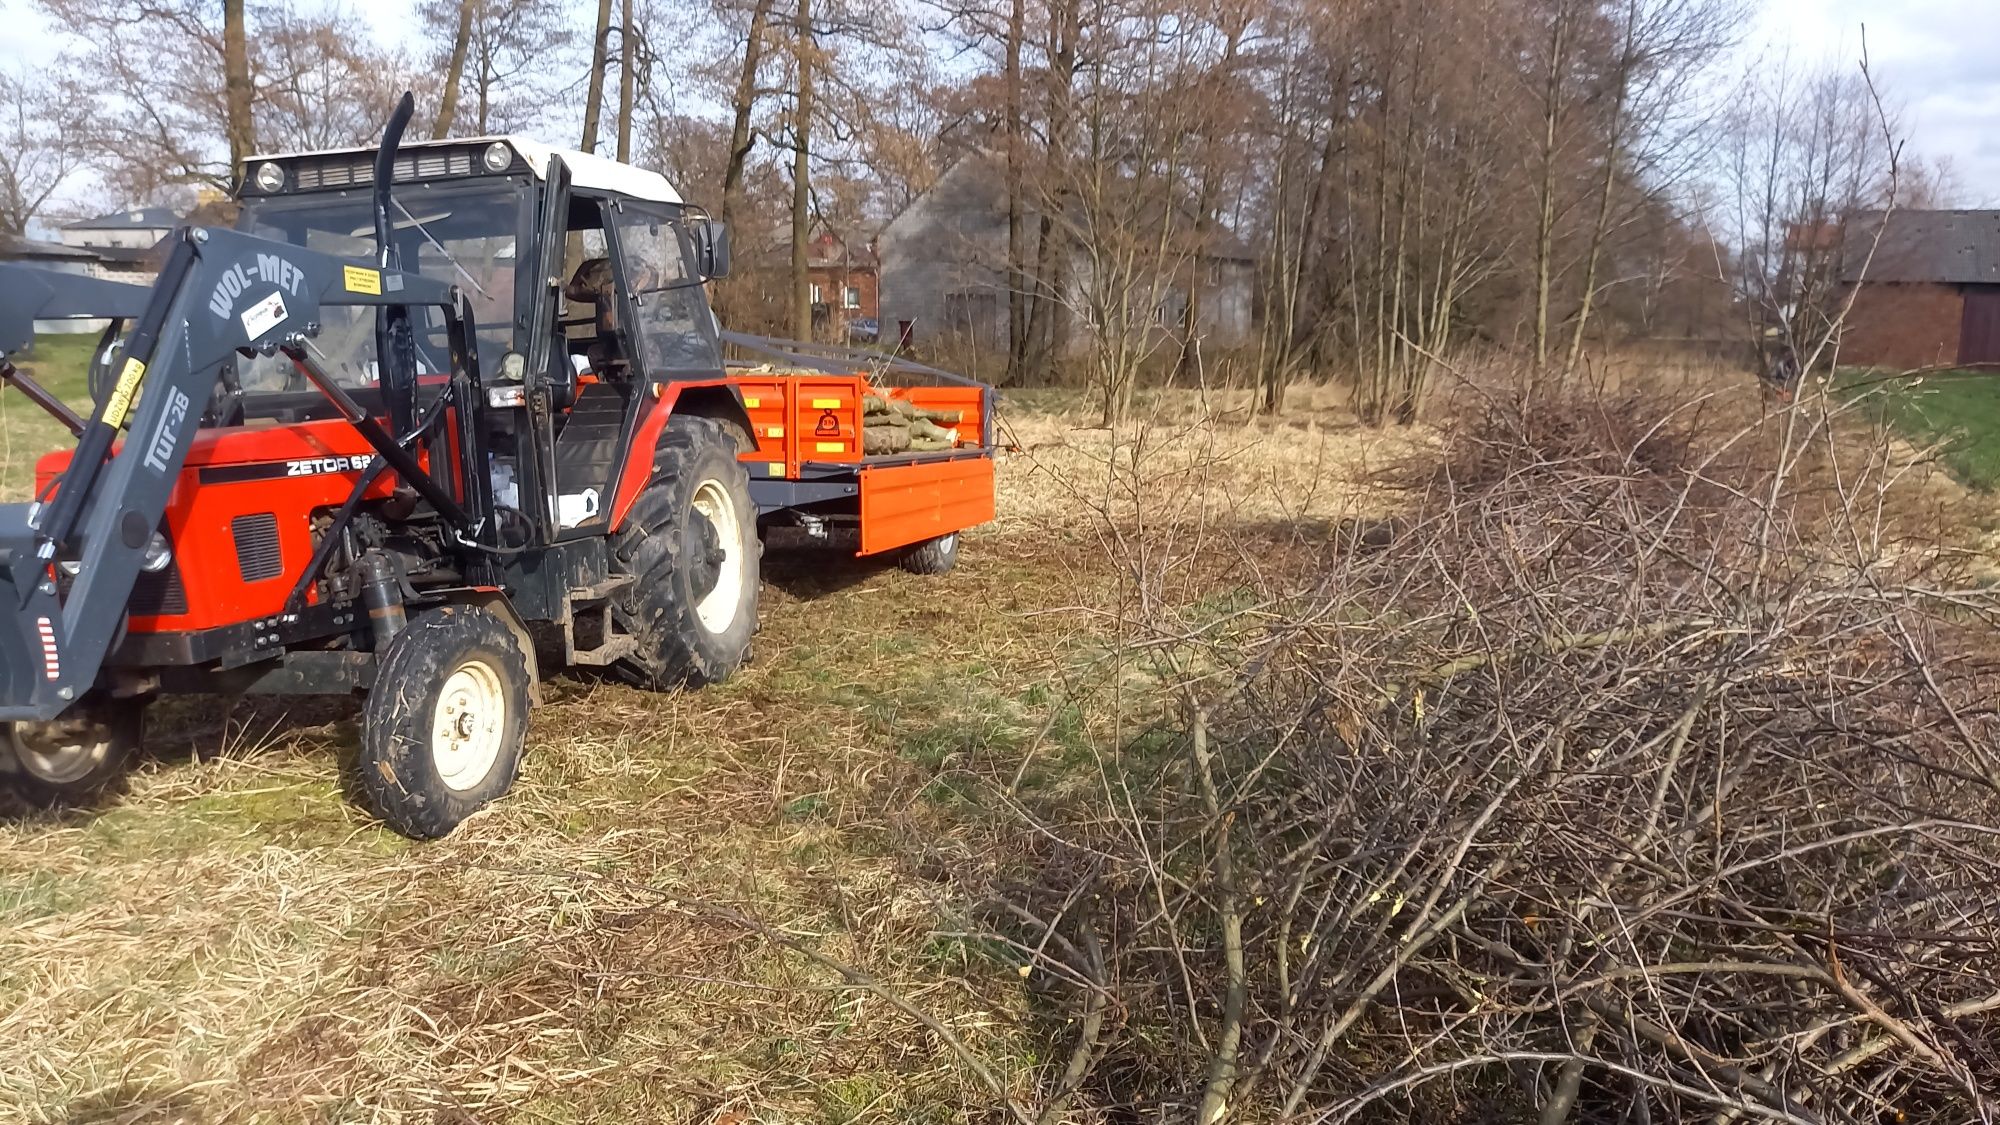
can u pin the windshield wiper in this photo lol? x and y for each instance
(449, 256)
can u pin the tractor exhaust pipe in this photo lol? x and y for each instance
(395, 345)
(385, 176)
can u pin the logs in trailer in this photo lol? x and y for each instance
(427, 419)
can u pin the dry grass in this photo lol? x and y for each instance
(233, 940)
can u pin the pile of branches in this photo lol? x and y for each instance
(1649, 772)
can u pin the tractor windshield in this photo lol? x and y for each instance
(466, 233)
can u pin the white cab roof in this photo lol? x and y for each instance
(586, 170)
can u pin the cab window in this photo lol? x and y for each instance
(670, 316)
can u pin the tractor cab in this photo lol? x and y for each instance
(591, 269)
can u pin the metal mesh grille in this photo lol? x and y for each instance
(257, 556)
(359, 171)
(159, 594)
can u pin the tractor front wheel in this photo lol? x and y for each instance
(691, 549)
(442, 730)
(71, 757)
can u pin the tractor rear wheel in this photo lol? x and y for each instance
(73, 756)
(690, 546)
(442, 730)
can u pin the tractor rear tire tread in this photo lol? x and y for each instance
(396, 771)
(658, 608)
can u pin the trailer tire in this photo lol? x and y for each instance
(690, 545)
(442, 730)
(932, 556)
(74, 757)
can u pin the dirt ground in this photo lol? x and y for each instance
(643, 929)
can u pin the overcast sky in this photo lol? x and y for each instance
(1934, 58)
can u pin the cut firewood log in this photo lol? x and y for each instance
(885, 438)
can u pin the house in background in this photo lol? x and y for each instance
(944, 268)
(123, 243)
(846, 290)
(1928, 295)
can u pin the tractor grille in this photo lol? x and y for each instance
(359, 171)
(159, 594)
(257, 556)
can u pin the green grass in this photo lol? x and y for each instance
(1958, 412)
(58, 363)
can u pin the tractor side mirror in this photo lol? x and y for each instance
(711, 248)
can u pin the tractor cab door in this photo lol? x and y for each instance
(598, 388)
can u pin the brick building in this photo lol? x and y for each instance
(1930, 294)
(846, 290)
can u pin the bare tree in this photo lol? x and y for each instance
(40, 147)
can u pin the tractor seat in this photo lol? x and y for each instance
(590, 439)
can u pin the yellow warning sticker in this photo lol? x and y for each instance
(833, 447)
(359, 280)
(751, 403)
(775, 431)
(826, 404)
(120, 403)
(777, 468)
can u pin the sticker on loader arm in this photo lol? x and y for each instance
(120, 403)
(359, 280)
(264, 315)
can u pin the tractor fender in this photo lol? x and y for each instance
(720, 400)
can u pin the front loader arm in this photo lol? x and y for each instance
(220, 293)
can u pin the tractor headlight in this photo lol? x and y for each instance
(498, 157)
(158, 554)
(270, 177)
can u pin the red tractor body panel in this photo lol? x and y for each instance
(240, 520)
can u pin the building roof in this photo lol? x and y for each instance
(586, 170)
(1947, 247)
(17, 248)
(974, 183)
(143, 218)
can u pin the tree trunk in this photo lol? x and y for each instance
(625, 82)
(241, 126)
(802, 178)
(1017, 234)
(594, 100)
(1545, 218)
(454, 73)
(744, 104)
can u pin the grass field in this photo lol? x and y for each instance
(637, 932)
(58, 364)
(1957, 413)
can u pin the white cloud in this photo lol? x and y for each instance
(1933, 60)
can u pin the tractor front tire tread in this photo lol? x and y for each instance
(396, 771)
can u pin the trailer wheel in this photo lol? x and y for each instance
(72, 757)
(690, 544)
(441, 732)
(932, 556)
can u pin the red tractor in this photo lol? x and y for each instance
(429, 416)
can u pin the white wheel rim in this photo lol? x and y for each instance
(467, 727)
(59, 751)
(717, 609)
